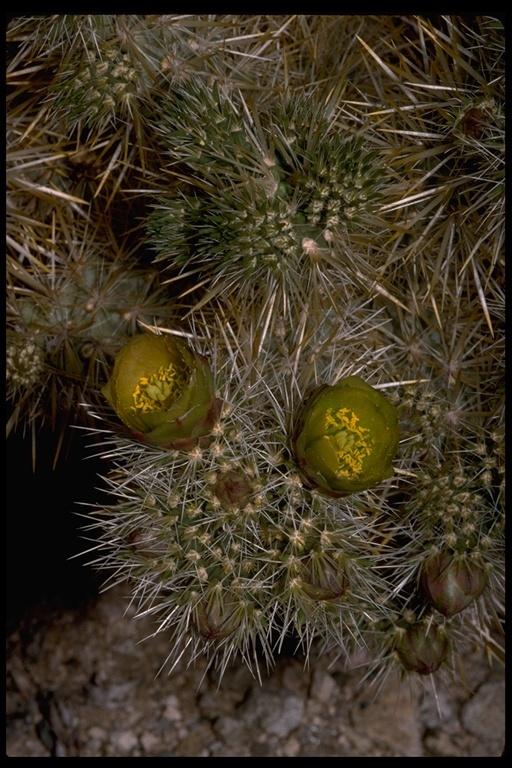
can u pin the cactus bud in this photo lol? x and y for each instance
(451, 583)
(323, 578)
(346, 437)
(233, 489)
(163, 391)
(216, 617)
(422, 648)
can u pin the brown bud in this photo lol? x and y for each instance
(323, 578)
(451, 583)
(215, 619)
(233, 489)
(422, 648)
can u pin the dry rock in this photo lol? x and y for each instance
(81, 684)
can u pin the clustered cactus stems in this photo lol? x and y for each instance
(233, 550)
(268, 253)
(62, 332)
(270, 194)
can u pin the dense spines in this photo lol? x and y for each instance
(273, 193)
(445, 134)
(74, 323)
(331, 190)
(231, 537)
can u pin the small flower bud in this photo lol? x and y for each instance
(346, 437)
(323, 578)
(422, 648)
(163, 391)
(216, 617)
(233, 489)
(451, 583)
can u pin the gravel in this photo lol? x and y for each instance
(83, 682)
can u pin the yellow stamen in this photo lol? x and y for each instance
(352, 445)
(156, 392)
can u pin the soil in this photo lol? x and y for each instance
(83, 682)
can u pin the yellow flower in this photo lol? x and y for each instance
(163, 391)
(346, 437)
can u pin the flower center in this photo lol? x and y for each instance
(351, 444)
(155, 392)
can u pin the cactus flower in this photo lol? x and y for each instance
(346, 437)
(451, 584)
(421, 648)
(163, 391)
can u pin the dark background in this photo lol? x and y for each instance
(44, 528)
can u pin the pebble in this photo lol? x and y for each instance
(117, 707)
(126, 741)
(172, 710)
(274, 711)
(323, 688)
(391, 718)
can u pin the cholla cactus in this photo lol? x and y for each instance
(271, 195)
(333, 200)
(230, 549)
(77, 281)
(446, 133)
(62, 333)
(225, 544)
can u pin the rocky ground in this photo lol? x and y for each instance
(80, 684)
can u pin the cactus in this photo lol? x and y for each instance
(63, 333)
(270, 200)
(225, 544)
(304, 220)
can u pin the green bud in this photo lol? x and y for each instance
(422, 648)
(346, 437)
(163, 391)
(451, 583)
